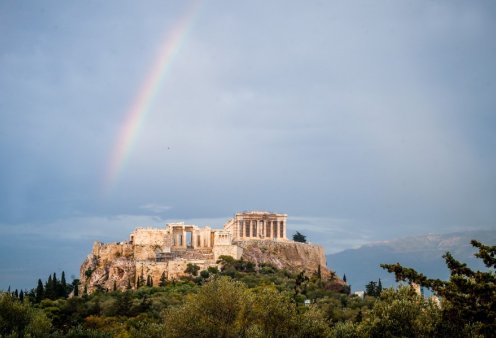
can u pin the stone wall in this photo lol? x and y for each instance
(149, 236)
(227, 250)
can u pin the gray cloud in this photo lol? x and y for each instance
(371, 120)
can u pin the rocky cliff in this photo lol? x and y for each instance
(289, 255)
(120, 265)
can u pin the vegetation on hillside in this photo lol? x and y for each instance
(244, 300)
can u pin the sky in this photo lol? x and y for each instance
(362, 120)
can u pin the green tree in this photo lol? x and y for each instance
(75, 287)
(63, 286)
(373, 289)
(469, 297)
(163, 280)
(192, 269)
(299, 237)
(217, 310)
(40, 292)
(21, 320)
(402, 313)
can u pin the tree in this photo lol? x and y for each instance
(299, 237)
(344, 278)
(63, 286)
(75, 287)
(401, 313)
(469, 297)
(163, 280)
(371, 289)
(20, 319)
(192, 269)
(49, 289)
(141, 279)
(39, 292)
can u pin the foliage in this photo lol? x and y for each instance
(468, 297)
(248, 300)
(299, 237)
(20, 319)
(192, 269)
(373, 289)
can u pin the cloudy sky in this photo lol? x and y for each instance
(363, 120)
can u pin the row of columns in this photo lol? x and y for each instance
(261, 229)
(179, 237)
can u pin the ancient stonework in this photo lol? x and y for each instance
(259, 237)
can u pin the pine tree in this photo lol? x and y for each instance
(299, 237)
(469, 295)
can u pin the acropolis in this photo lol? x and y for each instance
(258, 236)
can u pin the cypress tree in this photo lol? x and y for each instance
(55, 283)
(21, 296)
(163, 280)
(49, 288)
(75, 287)
(40, 292)
(115, 286)
(344, 278)
(128, 286)
(63, 286)
(16, 293)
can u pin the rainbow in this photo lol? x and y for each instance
(133, 121)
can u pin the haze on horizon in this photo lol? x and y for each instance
(361, 120)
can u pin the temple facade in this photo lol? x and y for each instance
(251, 225)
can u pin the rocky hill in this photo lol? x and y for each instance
(120, 264)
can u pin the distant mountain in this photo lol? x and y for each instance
(423, 253)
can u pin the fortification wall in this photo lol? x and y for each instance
(150, 236)
(227, 250)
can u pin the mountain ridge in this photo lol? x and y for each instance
(422, 252)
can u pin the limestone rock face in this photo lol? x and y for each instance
(120, 265)
(290, 255)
